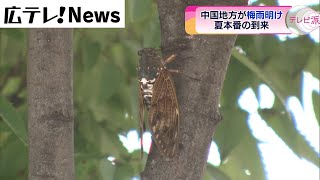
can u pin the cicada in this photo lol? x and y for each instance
(158, 95)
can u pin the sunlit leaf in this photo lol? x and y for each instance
(286, 130)
(11, 86)
(316, 105)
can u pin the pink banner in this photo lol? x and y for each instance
(236, 19)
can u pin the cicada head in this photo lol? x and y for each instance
(149, 64)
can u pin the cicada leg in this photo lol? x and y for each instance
(169, 59)
(142, 127)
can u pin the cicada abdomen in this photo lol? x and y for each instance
(157, 94)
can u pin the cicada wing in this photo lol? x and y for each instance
(164, 115)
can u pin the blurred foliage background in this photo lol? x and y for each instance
(105, 97)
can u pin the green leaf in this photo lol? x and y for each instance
(151, 33)
(286, 130)
(102, 36)
(139, 10)
(13, 48)
(282, 72)
(131, 58)
(213, 173)
(119, 56)
(273, 65)
(87, 169)
(13, 120)
(315, 6)
(267, 2)
(313, 63)
(106, 169)
(230, 132)
(18, 34)
(123, 172)
(259, 73)
(134, 102)
(120, 109)
(110, 80)
(233, 87)
(99, 83)
(91, 51)
(244, 161)
(136, 162)
(14, 160)
(102, 141)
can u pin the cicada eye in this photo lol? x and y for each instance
(141, 72)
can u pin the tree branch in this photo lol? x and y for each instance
(50, 104)
(204, 60)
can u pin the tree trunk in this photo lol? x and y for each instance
(50, 104)
(203, 61)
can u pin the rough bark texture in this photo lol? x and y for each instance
(50, 104)
(204, 58)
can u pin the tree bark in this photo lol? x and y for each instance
(50, 104)
(203, 61)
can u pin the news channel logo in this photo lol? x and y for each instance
(302, 20)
